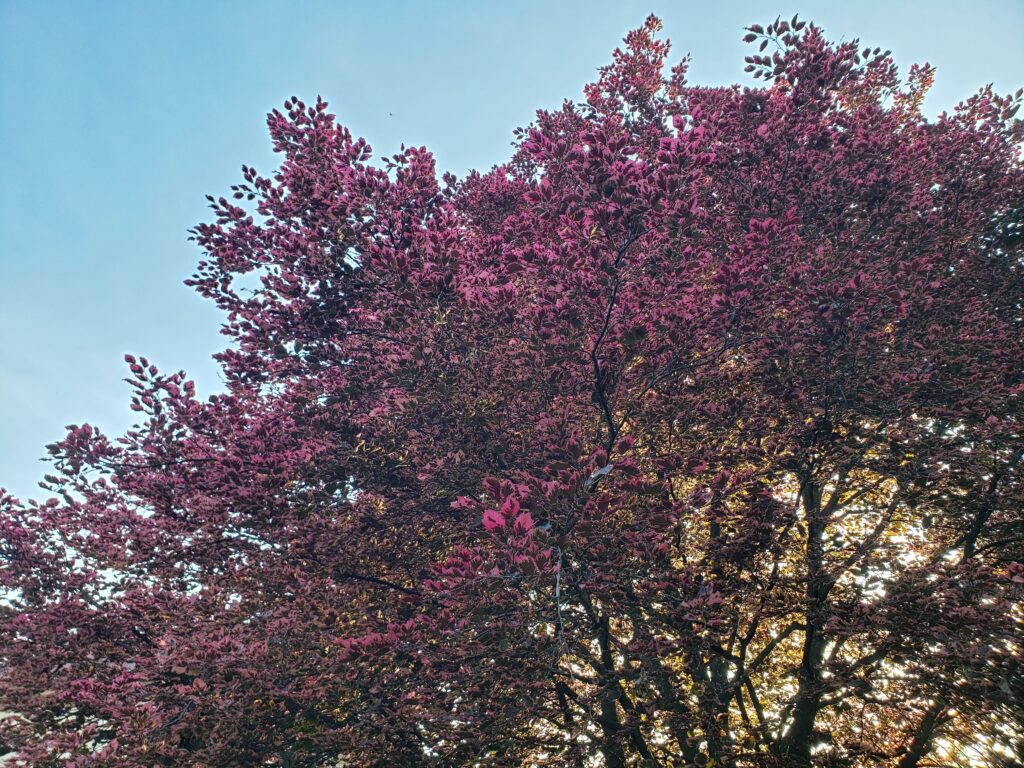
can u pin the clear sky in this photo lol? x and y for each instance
(117, 117)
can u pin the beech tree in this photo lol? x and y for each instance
(692, 435)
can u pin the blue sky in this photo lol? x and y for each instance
(117, 117)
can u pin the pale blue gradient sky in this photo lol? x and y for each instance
(117, 117)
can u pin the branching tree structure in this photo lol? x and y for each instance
(690, 436)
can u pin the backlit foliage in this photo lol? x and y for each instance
(689, 436)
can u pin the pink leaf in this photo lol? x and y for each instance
(493, 519)
(524, 522)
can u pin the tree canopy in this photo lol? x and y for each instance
(691, 435)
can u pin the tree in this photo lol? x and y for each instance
(690, 436)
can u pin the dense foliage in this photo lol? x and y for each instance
(690, 436)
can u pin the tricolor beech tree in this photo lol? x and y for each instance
(692, 435)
